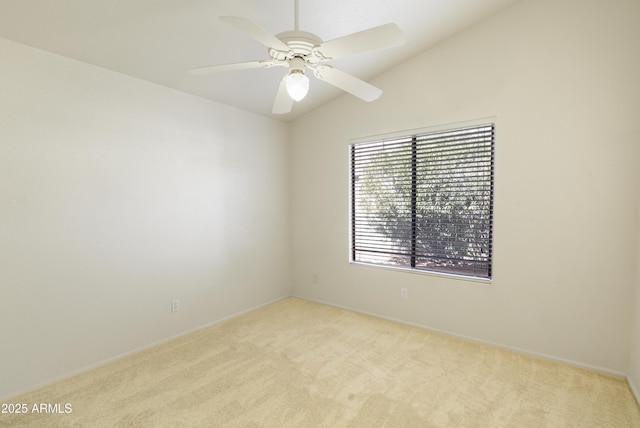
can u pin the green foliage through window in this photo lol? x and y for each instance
(425, 201)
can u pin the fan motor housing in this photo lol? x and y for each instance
(300, 44)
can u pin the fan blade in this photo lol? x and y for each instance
(283, 102)
(348, 83)
(231, 67)
(257, 32)
(383, 36)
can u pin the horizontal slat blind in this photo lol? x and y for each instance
(425, 201)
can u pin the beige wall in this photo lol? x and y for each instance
(634, 359)
(562, 80)
(118, 195)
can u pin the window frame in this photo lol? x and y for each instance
(412, 135)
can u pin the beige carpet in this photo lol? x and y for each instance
(300, 364)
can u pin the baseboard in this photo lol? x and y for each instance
(602, 370)
(135, 350)
(634, 389)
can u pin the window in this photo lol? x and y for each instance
(425, 201)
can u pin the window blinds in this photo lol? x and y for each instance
(425, 201)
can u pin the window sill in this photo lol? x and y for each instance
(486, 281)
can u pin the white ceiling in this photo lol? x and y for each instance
(160, 40)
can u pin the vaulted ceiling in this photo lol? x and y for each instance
(160, 40)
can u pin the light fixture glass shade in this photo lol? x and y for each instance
(297, 84)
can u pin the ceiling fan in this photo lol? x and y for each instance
(300, 50)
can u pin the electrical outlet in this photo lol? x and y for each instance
(404, 293)
(175, 305)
